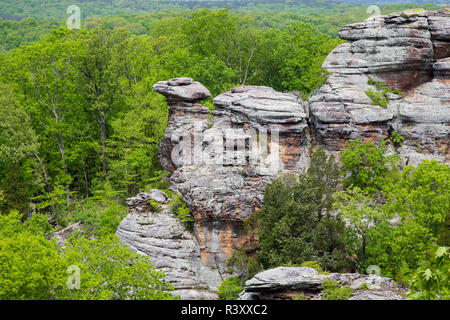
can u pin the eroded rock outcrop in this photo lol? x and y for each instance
(407, 51)
(221, 162)
(159, 234)
(287, 282)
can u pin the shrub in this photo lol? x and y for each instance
(312, 264)
(396, 138)
(246, 266)
(363, 287)
(98, 218)
(378, 98)
(179, 208)
(230, 289)
(333, 291)
(154, 206)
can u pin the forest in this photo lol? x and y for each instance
(80, 129)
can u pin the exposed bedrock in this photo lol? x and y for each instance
(221, 161)
(172, 249)
(407, 51)
(287, 282)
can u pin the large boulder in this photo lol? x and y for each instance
(287, 282)
(182, 89)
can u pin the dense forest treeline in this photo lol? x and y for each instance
(25, 31)
(56, 9)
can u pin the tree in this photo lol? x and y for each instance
(294, 223)
(395, 231)
(51, 86)
(99, 57)
(366, 165)
(362, 212)
(292, 59)
(34, 267)
(420, 201)
(17, 137)
(18, 146)
(30, 265)
(110, 270)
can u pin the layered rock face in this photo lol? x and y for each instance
(287, 282)
(407, 51)
(158, 233)
(221, 162)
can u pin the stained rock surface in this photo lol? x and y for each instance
(407, 51)
(172, 249)
(221, 160)
(287, 282)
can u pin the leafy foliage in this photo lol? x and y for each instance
(111, 271)
(294, 225)
(367, 166)
(430, 281)
(179, 208)
(34, 267)
(380, 97)
(332, 290)
(244, 265)
(229, 289)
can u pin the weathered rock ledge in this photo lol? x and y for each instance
(287, 282)
(160, 235)
(221, 161)
(407, 51)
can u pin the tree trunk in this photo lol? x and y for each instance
(104, 153)
(63, 156)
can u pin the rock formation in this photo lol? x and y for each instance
(287, 282)
(220, 161)
(158, 233)
(407, 51)
(218, 164)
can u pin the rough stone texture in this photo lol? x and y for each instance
(407, 51)
(223, 183)
(62, 235)
(286, 282)
(170, 246)
(183, 89)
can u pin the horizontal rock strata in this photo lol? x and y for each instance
(287, 282)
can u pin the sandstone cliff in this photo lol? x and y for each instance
(221, 160)
(407, 51)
